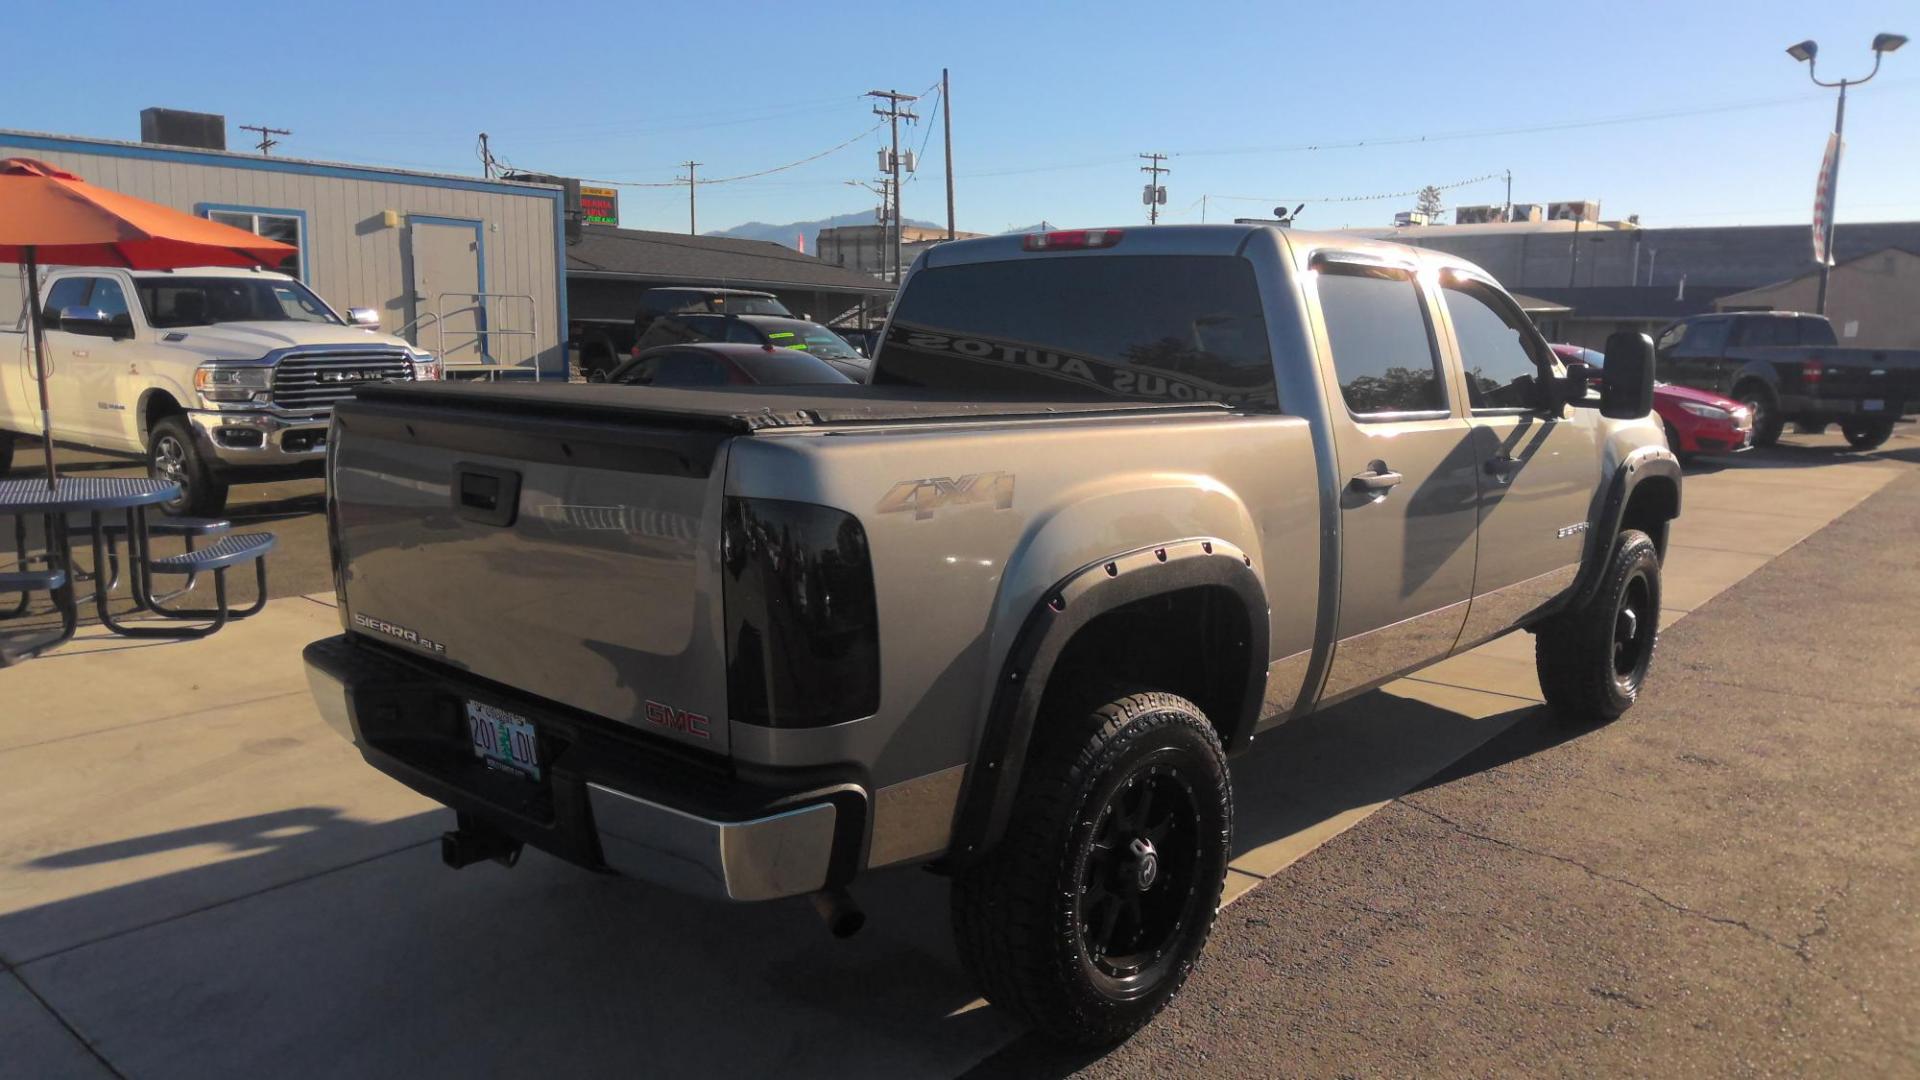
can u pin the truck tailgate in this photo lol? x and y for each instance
(570, 558)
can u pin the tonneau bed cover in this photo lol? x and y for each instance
(741, 409)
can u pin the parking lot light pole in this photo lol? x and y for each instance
(1805, 52)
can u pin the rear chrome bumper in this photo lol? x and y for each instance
(783, 854)
(739, 844)
(260, 438)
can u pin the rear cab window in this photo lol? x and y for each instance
(1381, 340)
(1150, 328)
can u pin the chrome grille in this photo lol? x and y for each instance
(313, 381)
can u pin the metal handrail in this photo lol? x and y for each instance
(483, 330)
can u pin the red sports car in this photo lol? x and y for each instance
(1697, 422)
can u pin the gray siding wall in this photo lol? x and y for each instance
(352, 258)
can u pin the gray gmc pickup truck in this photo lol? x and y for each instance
(1117, 503)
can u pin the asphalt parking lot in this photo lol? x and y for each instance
(199, 879)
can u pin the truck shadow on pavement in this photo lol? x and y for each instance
(306, 942)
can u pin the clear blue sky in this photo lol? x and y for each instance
(1051, 102)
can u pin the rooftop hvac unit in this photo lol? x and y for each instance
(1478, 215)
(177, 127)
(1412, 217)
(1576, 210)
(1532, 211)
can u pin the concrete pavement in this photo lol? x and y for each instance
(200, 879)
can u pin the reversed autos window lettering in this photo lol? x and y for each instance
(1158, 328)
(1381, 337)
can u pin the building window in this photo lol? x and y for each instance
(288, 227)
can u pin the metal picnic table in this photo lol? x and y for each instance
(96, 497)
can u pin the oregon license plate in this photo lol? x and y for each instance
(1873, 405)
(504, 740)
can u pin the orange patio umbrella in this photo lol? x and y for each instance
(50, 216)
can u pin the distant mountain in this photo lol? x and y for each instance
(784, 234)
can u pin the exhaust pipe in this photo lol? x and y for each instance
(839, 911)
(473, 841)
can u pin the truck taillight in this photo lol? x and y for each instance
(803, 633)
(1073, 239)
(1812, 370)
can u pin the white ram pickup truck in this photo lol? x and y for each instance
(215, 376)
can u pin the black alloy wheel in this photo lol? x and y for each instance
(1139, 881)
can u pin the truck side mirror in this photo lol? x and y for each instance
(364, 317)
(1626, 386)
(87, 321)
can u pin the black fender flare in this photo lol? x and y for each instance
(1643, 464)
(993, 776)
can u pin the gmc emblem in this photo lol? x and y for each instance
(687, 723)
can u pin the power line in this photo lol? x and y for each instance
(748, 176)
(1401, 140)
(1359, 198)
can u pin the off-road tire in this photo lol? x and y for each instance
(1020, 915)
(7, 439)
(1588, 673)
(174, 454)
(1866, 434)
(1767, 421)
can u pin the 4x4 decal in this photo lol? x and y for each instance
(923, 497)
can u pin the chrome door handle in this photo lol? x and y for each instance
(1375, 481)
(1501, 468)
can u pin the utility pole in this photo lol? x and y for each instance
(1506, 214)
(486, 157)
(692, 228)
(894, 114)
(946, 121)
(1154, 194)
(267, 141)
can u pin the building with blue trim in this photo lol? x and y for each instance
(474, 269)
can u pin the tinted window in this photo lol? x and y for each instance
(1139, 328)
(743, 334)
(1382, 350)
(107, 298)
(66, 293)
(1496, 348)
(1705, 338)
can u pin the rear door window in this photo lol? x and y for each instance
(1156, 328)
(1382, 342)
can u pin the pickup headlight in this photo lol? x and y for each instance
(1710, 412)
(426, 366)
(232, 384)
